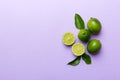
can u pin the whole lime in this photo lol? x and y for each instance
(93, 46)
(84, 35)
(94, 25)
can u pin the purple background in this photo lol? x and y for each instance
(31, 46)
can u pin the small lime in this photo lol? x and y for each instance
(93, 46)
(78, 49)
(68, 38)
(94, 25)
(84, 35)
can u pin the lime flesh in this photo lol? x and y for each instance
(68, 38)
(78, 49)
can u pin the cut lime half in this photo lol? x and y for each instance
(78, 49)
(68, 38)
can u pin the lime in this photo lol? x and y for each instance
(84, 35)
(68, 38)
(93, 46)
(78, 49)
(94, 25)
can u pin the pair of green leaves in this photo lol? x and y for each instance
(79, 23)
(76, 61)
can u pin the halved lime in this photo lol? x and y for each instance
(78, 49)
(68, 38)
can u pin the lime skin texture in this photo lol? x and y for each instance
(94, 46)
(84, 35)
(94, 25)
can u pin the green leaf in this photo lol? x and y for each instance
(75, 62)
(86, 58)
(79, 23)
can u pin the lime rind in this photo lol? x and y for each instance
(78, 49)
(68, 38)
